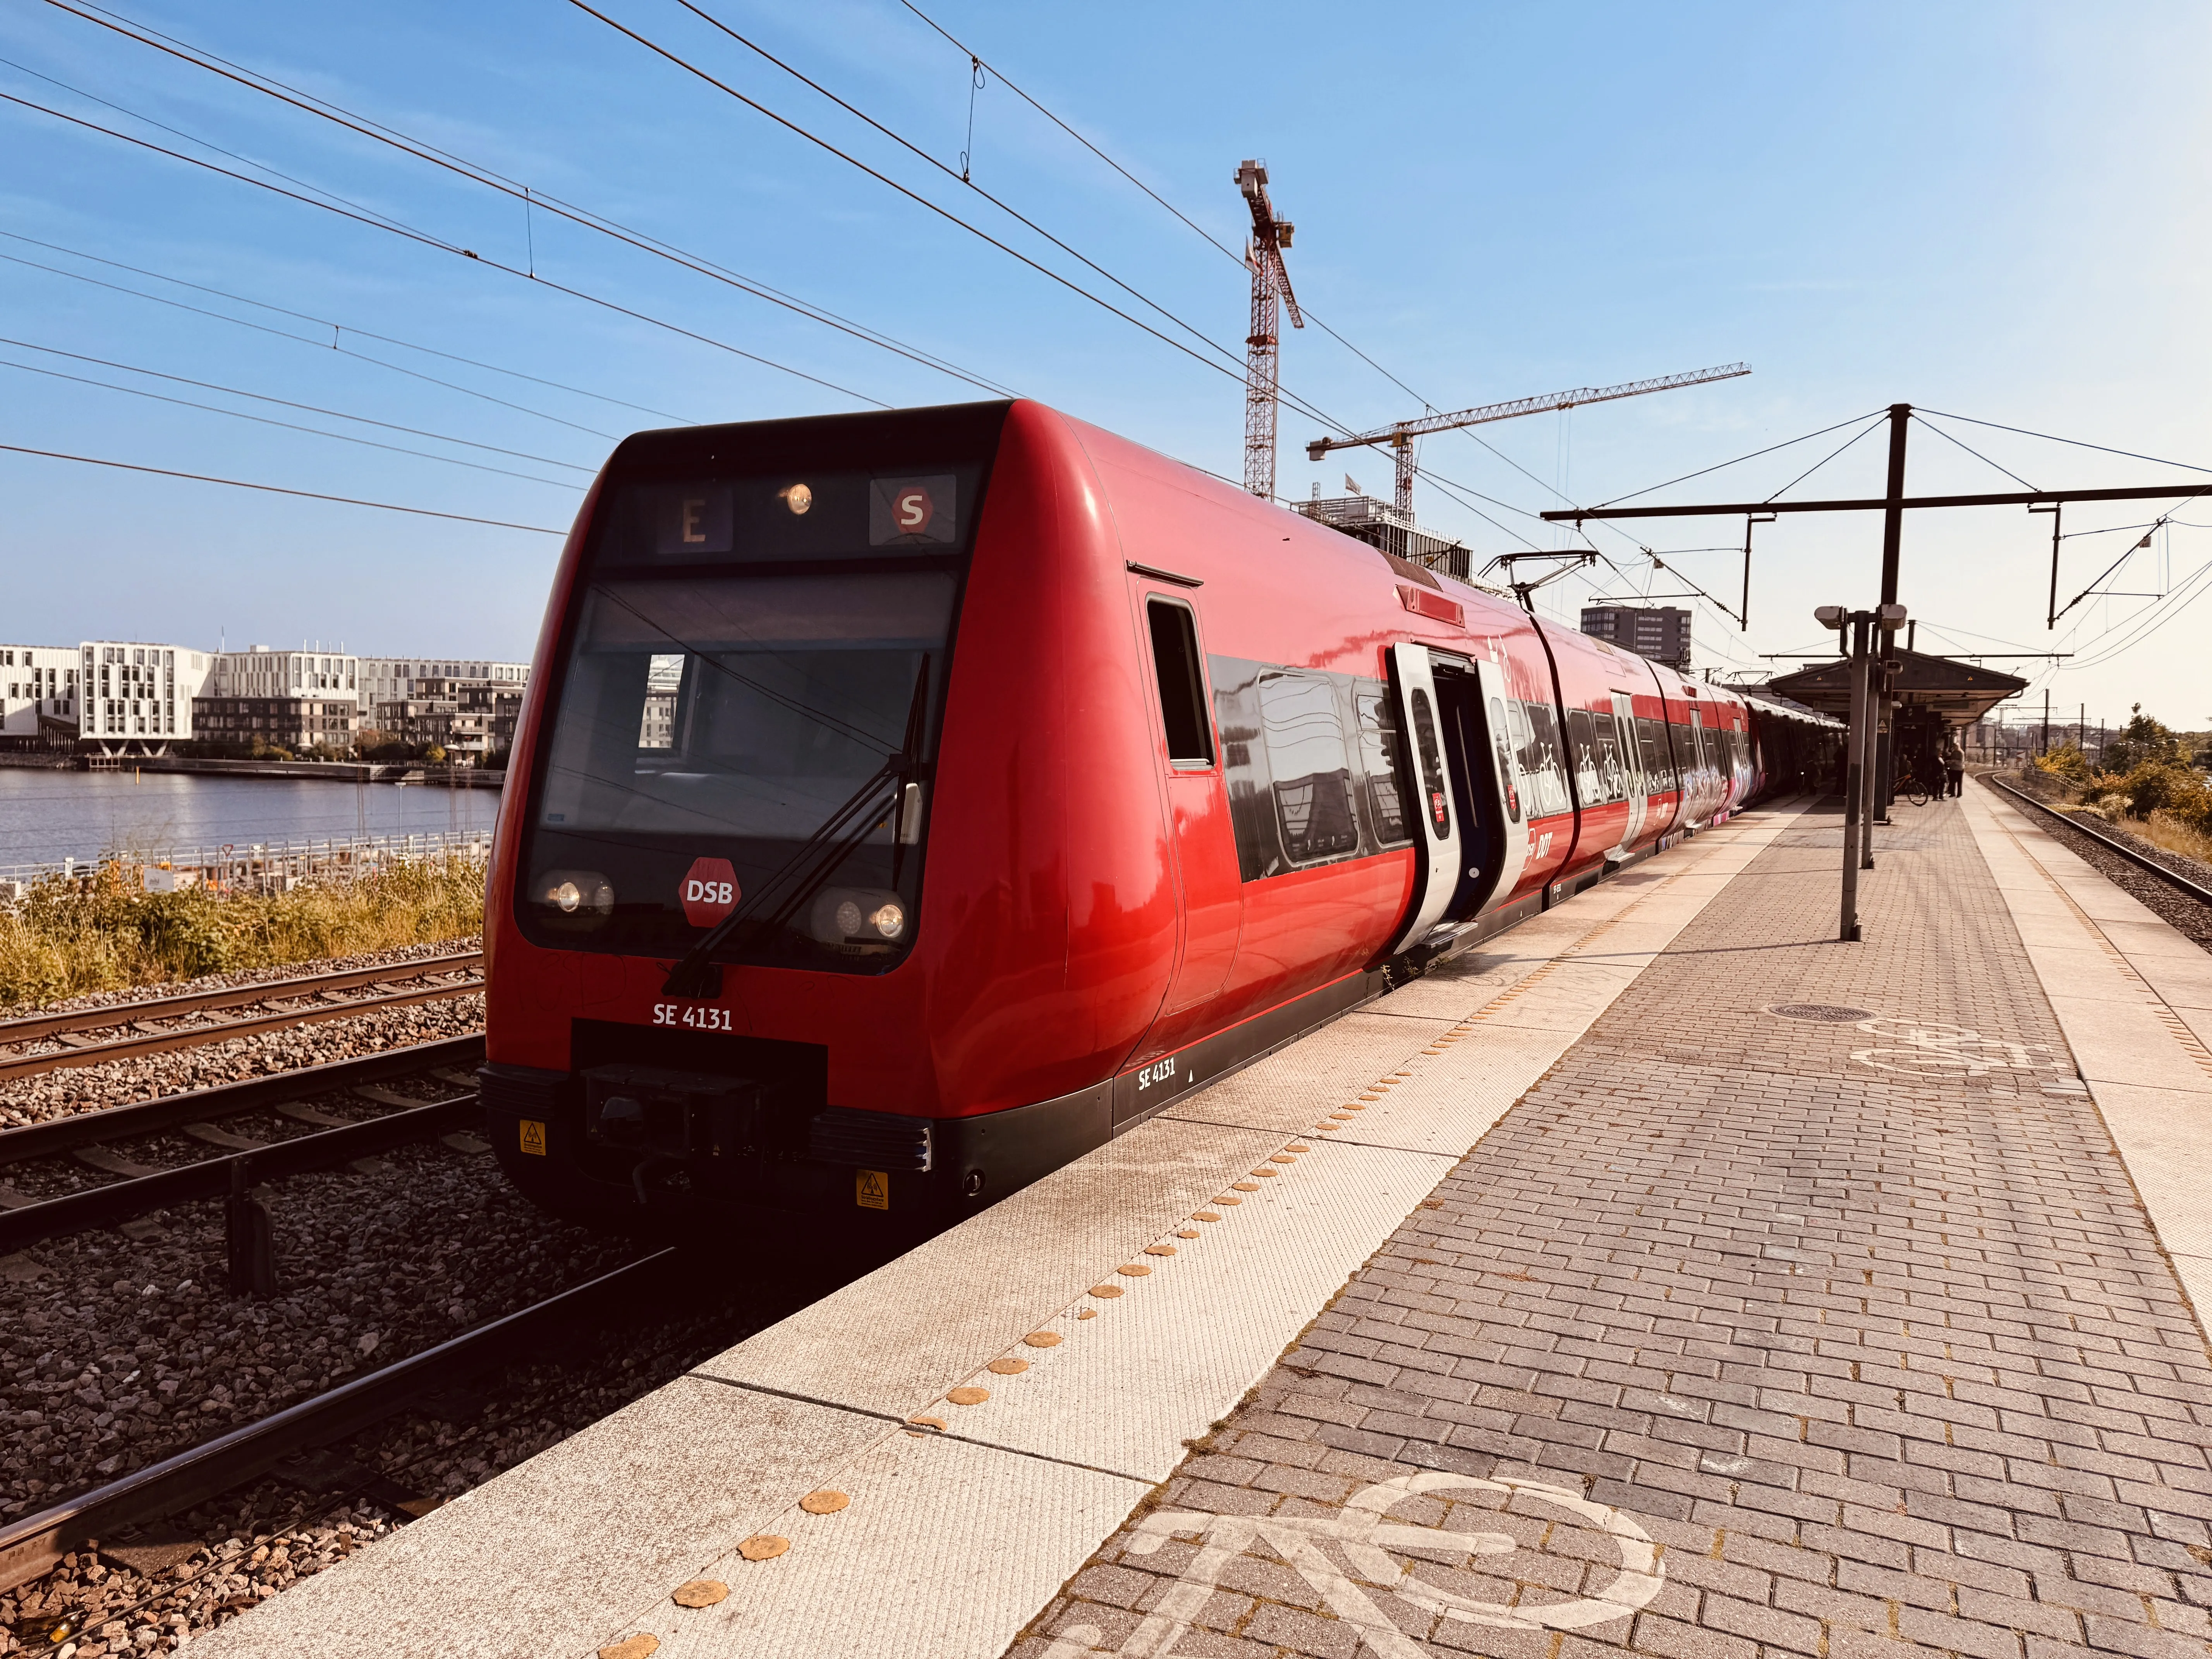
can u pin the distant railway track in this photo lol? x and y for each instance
(454, 976)
(2174, 879)
(90, 1137)
(35, 1543)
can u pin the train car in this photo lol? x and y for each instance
(906, 804)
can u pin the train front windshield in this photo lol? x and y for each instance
(747, 716)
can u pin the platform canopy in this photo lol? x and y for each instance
(1962, 692)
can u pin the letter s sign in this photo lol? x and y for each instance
(912, 509)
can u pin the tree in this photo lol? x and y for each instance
(2143, 739)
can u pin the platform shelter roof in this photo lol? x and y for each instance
(1961, 692)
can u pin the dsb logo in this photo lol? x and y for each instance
(709, 892)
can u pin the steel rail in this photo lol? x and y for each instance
(30, 1030)
(197, 1036)
(35, 1543)
(63, 1134)
(2172, 878)
(210, 1177)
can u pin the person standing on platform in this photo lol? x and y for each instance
(1954, 763)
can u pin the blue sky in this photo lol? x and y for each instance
(1996, 211)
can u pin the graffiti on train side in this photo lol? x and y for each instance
(1921, 1047)
(1362, 1537)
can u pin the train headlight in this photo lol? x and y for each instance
(578, 898)
(857, 920)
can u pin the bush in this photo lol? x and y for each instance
(61, 940)
(2152, 786)
(2066, 762)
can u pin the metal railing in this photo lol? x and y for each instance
(257, 865)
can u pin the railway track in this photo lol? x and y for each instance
(2174, 879)
(35, 1544)
(141, 1023)
(91, 1137)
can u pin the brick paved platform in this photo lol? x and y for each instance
(1744, 1331)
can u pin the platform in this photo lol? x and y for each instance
(1623, 1313)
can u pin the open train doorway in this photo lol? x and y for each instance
(1471, 695)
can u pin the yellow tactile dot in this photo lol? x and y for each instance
(1042, 1338)
(633, 1647)
(1295, 1147)
(700, 1593)
(828, 1501)
(1009, 1366)
(1269, 1174)
(1279, 1158)
(1088, 1313)
(1372, 1095)
(937, 1423)
(1133, 1269)
(1187, 1232)
(1203, 1215)
(967, 1396)
(766, 1546)
(1225, 1199)
(1106, 1292)
(1356, 1106)
(1241, 1186)
(1159, 1249)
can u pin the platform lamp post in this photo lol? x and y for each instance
(1859, 628)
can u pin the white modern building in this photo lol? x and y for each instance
(262, 671)
(38, 695)
(135, 698)
(396, 679)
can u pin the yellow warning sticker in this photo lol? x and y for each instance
(871, 1190)
(533, 1137)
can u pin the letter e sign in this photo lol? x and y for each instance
(709, 892)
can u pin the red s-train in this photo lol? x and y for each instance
(906, 804)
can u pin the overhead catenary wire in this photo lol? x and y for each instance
(1931, 427)
(428, 240)
(961, 176)
(287, 402)
(946, 213)
(289, 426)
(278, 489)
(358, 332)
(315, 345)
(270, 87)
(1206, 235)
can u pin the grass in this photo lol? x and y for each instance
(2164, 829)
(61, 940)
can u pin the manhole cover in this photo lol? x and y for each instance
(1828, 1012)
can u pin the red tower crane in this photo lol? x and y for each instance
(1271, 293)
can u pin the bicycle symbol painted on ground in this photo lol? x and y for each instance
(1936, 1050)
(1364, 1538)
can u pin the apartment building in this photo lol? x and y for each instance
(262, 671)
(400, 679)
(293, 723)
(135, 698)
(37, 696)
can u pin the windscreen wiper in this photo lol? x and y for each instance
(697, 974)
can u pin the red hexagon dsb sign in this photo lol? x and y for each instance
(710, 891)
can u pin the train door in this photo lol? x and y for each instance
(1437, 877)
(1202, 848)
(1631, 765)
(1494, 804)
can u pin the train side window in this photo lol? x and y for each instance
(1543, 766)
(1379, 768)
(1311, 765)
(1584, 757)
(1501, 744)
(1182, 683)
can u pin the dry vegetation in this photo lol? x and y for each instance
(62, 939)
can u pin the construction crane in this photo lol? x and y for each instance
(1400, 438)
(1271, 292)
